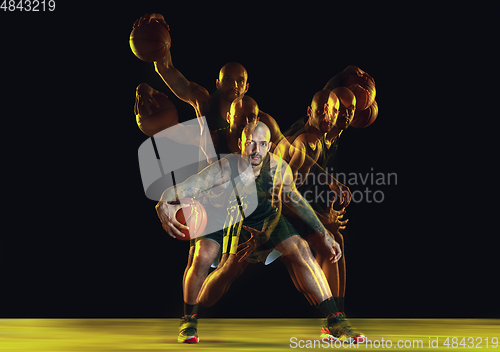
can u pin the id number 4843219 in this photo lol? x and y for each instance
(28, 5)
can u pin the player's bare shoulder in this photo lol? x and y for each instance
(200, 99)
(276, 162)
(281, 172)
(301, 141)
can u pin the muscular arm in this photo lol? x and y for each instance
(185, 90)
(213, 175)
(298, 156)
(301, 207)
(294, 200)
(322, 177)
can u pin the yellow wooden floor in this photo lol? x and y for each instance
(30, 335)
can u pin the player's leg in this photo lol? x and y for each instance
(229, 268)
(188, 308)
(299, 260)
(298, 284)
(339, 298)
(219, 281)
(201, 256)
(331, 270)
(305, 271)
(205, 252)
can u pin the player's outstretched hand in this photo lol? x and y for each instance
(166, 212)
(332, 216)
(343, 192)
(246, 248)
(333, 247)
(144, 99)
(147, 18)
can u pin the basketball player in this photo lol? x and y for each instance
(264, 229)
(231, 84)
(346, 112)
(309, 151)
(205, 249)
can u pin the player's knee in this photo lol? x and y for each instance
(296, 249)
(201, 264)
(303, 247)
(204, 256)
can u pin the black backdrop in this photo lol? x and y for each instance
(87, 242)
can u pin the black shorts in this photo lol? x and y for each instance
(237, 234)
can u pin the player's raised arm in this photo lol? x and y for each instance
(185, 90)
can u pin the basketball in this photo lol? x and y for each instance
(359, 82)
(160, 118)
(366, 117)
(150, 41)
(364, 96)
(194, 216)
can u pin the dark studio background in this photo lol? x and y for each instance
(92, 245)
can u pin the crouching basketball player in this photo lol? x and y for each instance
(264, 229)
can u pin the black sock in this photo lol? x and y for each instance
(327, 307)
(339, 301)
(190, 309)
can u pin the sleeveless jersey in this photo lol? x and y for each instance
(214, 119)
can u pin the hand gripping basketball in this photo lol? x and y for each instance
(150, 38)
(166, 212)
(147, 18)
(184, 220)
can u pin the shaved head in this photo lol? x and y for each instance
(318, 111)
(333, 101)
(346, 96)
(232, 81)
(347, 107)
(320, 98)
(243, 111)
(255, 143)
(260, 127)
(244, 103)
(233, 66)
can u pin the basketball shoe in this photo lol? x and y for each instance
(337, 329)
(188, 331)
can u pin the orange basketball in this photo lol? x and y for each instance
(161, 118)
(359, 82)
(366, 117)
(150, 41)
(194, 216)
(364, 96)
